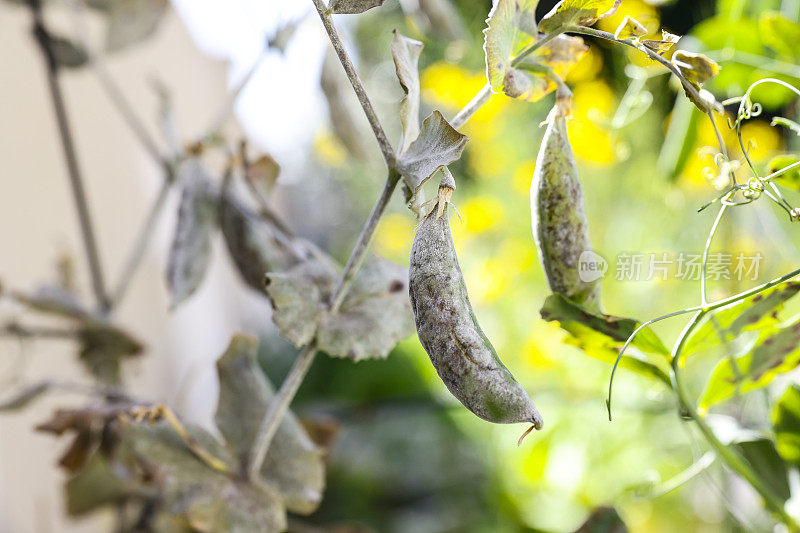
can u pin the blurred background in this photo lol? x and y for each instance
(404, 455)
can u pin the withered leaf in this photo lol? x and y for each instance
(102, 349)
(374, 316)
(56, 301)
(353, 7)
(190, 253)
(526, 82)
(437, 145)
(132, 21)
(696, 68)
(405, 53)
(511, 27)
(663, 45)
(294, 464)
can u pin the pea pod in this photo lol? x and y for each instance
(560, 228)
(448, 330)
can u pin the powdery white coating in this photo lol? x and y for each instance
(560, 228)
(462, 355)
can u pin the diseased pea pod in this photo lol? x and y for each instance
(448, 330)
(560, 228)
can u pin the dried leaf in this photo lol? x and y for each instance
(66, 53)
(55, 300)
(132, 21)
(262, 174)
(405, 53)
(630, 28)
(255, 245)
(530, 83)
(696, 68)
(663, 45)
(294, 464)
(437, 145)
(577, 12)
(374, 317)
(208, 499)
(102, 349)
(190, 253)
(353, 7)
(25, 396)
(299, 296)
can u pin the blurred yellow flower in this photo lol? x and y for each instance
(329, 149)
(517, 254)
(488, 158)
(482, 213)
(763, 139)
(591, 142)
(587, 68)
(394, 235)
(643, 12)
(594, 99)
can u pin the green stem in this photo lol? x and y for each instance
(733, 460)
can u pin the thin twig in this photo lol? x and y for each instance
(358, 87)
(140, 245)
(76, 181)
(277, 409)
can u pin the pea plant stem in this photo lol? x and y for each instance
(731, 458)
(73, 170)
(280, 404)
(355, 81)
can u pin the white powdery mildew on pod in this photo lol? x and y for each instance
(448, 330)
(560, 228)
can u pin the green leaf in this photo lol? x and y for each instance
(96, 485)
(768, 464)
(437, 145)
(777, 351)
(353, 7)
(790, 178)
(793, 126)
(132, 21)
(603, 520)
(190, 253)
(786, 424)
(755, 313)
(294, 465)
(374, 316)
(405, 53)
(511, 27)
(780, 34)
(630, 28)
(25, 396)
(577, 12)
(601, 336)
(103, 347)
(530, 82)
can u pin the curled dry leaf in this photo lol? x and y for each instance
(630, 28)
(190, 253)
(353, 7)
(577, 12)
(294, 465)
(697, 69)
(405, 53)
(663, 45)
(437, 145)
(256, 244)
